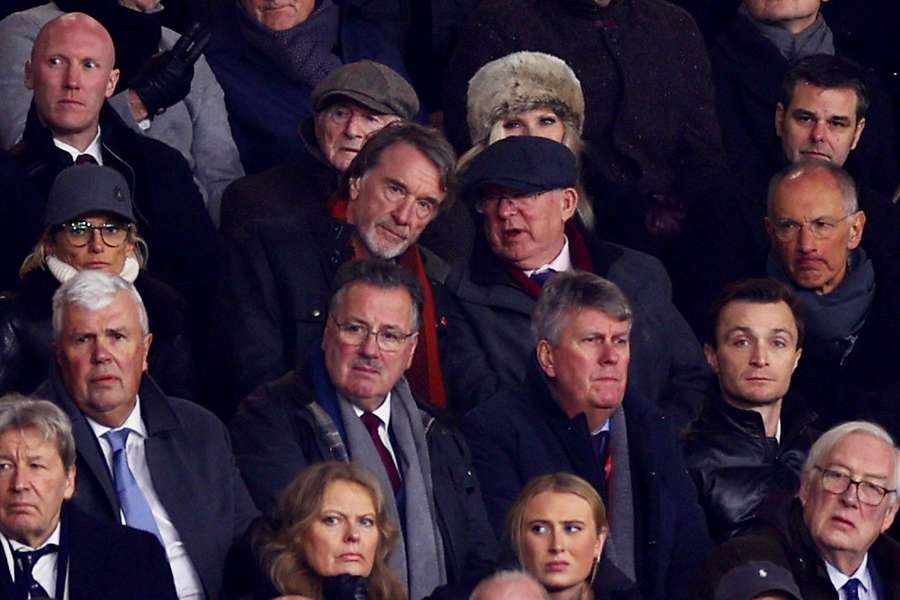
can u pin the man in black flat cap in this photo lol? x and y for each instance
(523, 190)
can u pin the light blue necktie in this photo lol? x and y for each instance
(134, 503)
(851, 589)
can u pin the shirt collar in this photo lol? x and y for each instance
(383, 412)
(838, 579)
(93, 148)
(560, 264)
(134, 422)
(53, 539)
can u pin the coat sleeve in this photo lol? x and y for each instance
(268, 449)
(17, 34)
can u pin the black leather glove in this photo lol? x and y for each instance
(166, 78)
(345, 587)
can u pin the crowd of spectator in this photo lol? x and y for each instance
(469, 299)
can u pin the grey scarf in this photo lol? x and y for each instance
(303, 52)
(418, 560)
(833, 320)
(815, 39)
(620, 545)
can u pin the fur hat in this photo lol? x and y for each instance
(519, 82)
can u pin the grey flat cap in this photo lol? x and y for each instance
(373, 85)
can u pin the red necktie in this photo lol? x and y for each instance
(372, 424)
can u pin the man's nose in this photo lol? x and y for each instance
(818, 131)
(100, 353)
(609, 354)
(805, 239)
(19, 480)
(73, 76)
(405, 211)
(759, 355)
(353, 128)
(369, 347)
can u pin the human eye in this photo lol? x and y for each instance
(779, 343)
(78, 229)
(538, 528)
(112, 228)
(740, 342)
(839, 123)
(786, 225)
(372, 118)
(395, 191)
(36, 465)
(392, 337)
(54, 60)
(512, 124)
(330, 519)
(90, 64)
(367, 521)
(424, 207)
(548, 120)
(355, 328)
(573, 527)
(621, 341)
(803, 117)
(5, 465)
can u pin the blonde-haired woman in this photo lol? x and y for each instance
(333, 538)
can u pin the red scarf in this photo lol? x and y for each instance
(578, 250)
(424, 375)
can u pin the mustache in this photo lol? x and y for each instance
(367, 362)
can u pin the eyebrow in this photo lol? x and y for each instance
(744, 329)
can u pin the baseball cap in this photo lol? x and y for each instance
(88, 188)
(754, 578)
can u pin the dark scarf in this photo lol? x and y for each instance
(303, 53)
(833, 320)
(815, 39)
(135, 34)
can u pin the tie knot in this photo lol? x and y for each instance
(371, 421)
(85, 159)
(543, 277)
(30, 557)
(851, 589)
(117, 438)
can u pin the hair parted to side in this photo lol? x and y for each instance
(281, 550)
(802, 168)
(560, 483)
(507, 576)
(828, 440)
(427, 140)
(380, 274)
(573, 291)
(37, 259)
(755, 291)
(18, 412)
(94, 290)
(827, 72)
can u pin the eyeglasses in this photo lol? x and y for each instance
(867, 492)
(79, 233)
(822, 228)
(356, 334)
(491, 201)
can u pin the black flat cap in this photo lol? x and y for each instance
(84, 189)
(749, 580)
(522, 163)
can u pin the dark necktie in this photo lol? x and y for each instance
(25, 560)
(372, 424)
(85, 159)
(601, 451)
(543, 277)
(131, 497)
(851, 589)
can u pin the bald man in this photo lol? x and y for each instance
(71, 73)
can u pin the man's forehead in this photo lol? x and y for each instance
(385, 304)
(744, 314)
(805, 91)
(121, 313)
(817, 192)
(350, 104)
(72, 30)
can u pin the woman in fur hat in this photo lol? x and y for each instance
(527, 93)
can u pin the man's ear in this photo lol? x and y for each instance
(147, 341)
(545, 358)
(711, 358)
(29, 75)
(569, 203)
(779, 118)
(857, 225)
(860, 125)
(111, 83)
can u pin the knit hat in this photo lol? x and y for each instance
(520, 82)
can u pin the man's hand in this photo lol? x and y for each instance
(166, 78)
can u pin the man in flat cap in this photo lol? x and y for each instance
(523, 190)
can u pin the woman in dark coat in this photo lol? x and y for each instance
(89, 224)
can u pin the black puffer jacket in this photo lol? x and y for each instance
(735, 468)
(26, 334)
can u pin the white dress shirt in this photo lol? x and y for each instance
(383, 412)
(838, 579)
(187, 581)
(44, 570)
(560, 264)
(93, 148)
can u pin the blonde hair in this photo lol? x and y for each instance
(559, 483)
(282, 550)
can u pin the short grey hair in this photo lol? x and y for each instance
(573, 291)
(508, 576)
(801, 168)
(94, 290)
(18, 412)
(828, 440)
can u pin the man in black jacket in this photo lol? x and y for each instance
(350, 402)
(524, 190)
(748, 446)
(71, 123)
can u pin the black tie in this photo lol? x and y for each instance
(25, 560)
(85, 159)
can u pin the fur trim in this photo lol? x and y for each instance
(519, 82)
